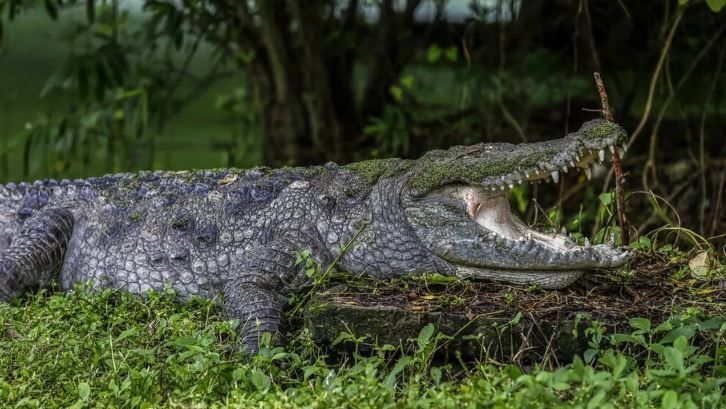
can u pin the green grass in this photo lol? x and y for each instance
(114, 350)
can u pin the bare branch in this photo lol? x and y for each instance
(619, 178)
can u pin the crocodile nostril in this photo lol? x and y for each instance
(206, 235)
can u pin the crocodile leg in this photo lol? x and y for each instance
(36, 253)
(255, 294)
(258, 310)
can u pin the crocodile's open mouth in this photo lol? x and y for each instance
(489, 206)
(471, 225)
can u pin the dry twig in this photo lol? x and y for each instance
(619, 178)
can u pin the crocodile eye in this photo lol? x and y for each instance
(327, 201)
(353, 195)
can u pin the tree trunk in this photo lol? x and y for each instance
(308, 114)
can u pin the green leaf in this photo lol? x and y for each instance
(84, 390)
(589, 355)
(643, 243)
(310, 370)
(670, 400)
(716, 5)
(452, 54)
(260, 380)
(435, 374)
(407, 81)
(596, 400)
(687, 331)
(279, 355)
(396, 92)
(131, 332)
(711, 324)
(606, 198)
(681, 344)
(402, 363)
(434, 53)
(664, 326)
(640, 323)
(239, 374)
(424, 336)
(633, 339)
(674, 358)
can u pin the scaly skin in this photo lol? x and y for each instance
(238, 232)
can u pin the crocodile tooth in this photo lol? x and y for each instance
(577, 158)
(621, 152)
(612, 149)
(625, 147)
(501, 187)
(572, 164)
(564, 169)
(588, 173)
(511, 186)
(601, 155)
(519, 182)
(563, 230)
(587, 242)
(555, 176)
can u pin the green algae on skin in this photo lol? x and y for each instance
(601, 128)
(372, 170)
(434, 173)
(136, 216)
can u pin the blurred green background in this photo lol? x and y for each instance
(90, 87)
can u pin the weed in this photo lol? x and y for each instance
(111, 349)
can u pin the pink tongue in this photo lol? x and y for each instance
(495, 215)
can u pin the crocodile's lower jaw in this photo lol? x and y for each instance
(551, 280)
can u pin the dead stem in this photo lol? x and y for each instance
(619, 177)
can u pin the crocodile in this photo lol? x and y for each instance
(238, 234)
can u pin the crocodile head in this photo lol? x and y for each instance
(456, 202)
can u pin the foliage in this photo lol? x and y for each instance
(351, 80)
(104, 349)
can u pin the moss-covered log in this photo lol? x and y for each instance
(498, 336)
